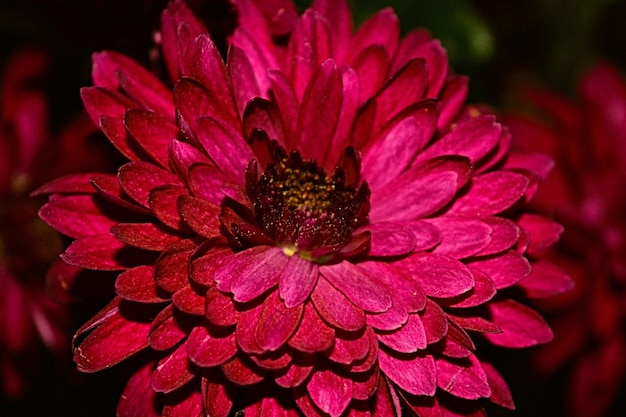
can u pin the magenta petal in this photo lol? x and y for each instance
(357, 286)
(319, 111)
(68, 184)
(99, 252)
(246, 325)
(206, 349)
(521, 326)
(435, 322)
(383, 28)
(149, 236)
(139, 178)
(153, 132)
(504, 270)
(398, 238)
(75, 216)
(407, 339)
(406, 290)
(220, 309)
(335, 308)
(206, 182)
(350, 348)
(414, 373)
(189, 404)
(491, 193)
(226, 147)
(241, 372)
(165, 332)
(372, 67)
(543, 232)
(413, 196)
(138, 397)
(439, 276)
(483, 291)
(505, 234)
(500, 393)
(188, 301)
(114, 340)
(461, 236)
(545, 280)
(297, 372)
(219, 395)
(138, 284)
(172, 372)
(276, 323)
(200, 215)
(250, 273)
(297, 281)
(464, 378)
(312, 334)
(330, 392)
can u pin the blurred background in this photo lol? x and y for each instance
(499, 44)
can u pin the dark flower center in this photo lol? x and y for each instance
(300, 207)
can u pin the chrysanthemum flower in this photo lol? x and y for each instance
(587, 138)
(316, 225)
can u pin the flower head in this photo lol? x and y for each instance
(587, 139)
(315, 225)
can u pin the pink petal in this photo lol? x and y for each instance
(414, 373)
(372, 67)
(335, 308)
(172, 372)
(500, 393)
(172, 269)
(297, 281)
(357, 286)
(182, 406)
(297, 372)
(189, 301)
(153, 132)
(100, 252)
(349, 348)
(389, 156)
(219, 395)
(165, 331)
(75, 216)
(383, 28)
(411, 197)
(464, 378)
(435, 322)
(139, 178)
(250, 273)
(543, 232)
(407, 339)
(138, 397)
(473, 138)
(504, 270)
(319, 111)
(406, 290)
(491, 193)
(112, 341)
(398, 238)
(330, 392)
(201, 216)
(545, 280)
(521, 326)
(241, 372)
(244, 332)
(312, 335)
(505, 234)
(68, 184)
(206, 182)
(220, 309)
(439, 276)
(276, 323)
(462, 237)
(207, 348)
(138, 284)
(149, 236)
(483, 291)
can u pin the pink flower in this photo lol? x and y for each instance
(587, 138)
(318, 225)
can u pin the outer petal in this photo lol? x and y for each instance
(415, 373)
(521, 326)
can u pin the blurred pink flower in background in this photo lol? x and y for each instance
(30, 154)
(318, 225)
(586, 193)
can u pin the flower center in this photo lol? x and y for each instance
(300, 207)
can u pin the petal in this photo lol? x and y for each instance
(543, 232)
(439, 276)
(335, 308)
(357, 286)
(207, 348)
(153, 132)
(276, 323)
(138, 397)
(149, 236)
(407, 339)
(139, 178)
(172, 372)
(297, 281)
(100, 252)
(500, 393)
(464, 378)
(462, 237)
(415, 373)
(546, 280)
(312, 334)
(76, 216)
(521, 326)
(251, 272)
(398, 238)
(504, 270)
(138, 284)
(330, 392)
